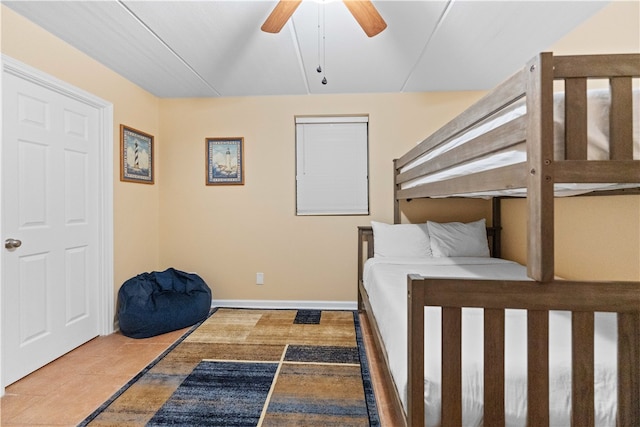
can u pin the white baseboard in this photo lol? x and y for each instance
(285, 304)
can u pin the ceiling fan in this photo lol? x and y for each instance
(362, 10)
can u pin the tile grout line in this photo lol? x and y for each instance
(273, 384)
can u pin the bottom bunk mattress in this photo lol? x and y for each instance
(385, 280)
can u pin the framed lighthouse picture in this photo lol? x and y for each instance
(225, 161)
(136, 156)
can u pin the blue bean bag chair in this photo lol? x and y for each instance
(154, 303)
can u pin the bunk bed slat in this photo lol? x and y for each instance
(452, 367)
(595, 66)
(582, 383)
(621, 297)
(500, 138)
(628, 369)
(538, 367)
(575, 122)
(598, 171)
(494, 367)
(512, 176)
(621, 119)
(501, 97)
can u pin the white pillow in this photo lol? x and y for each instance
(458, 239)
(401, 240)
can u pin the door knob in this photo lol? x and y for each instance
(12, 243)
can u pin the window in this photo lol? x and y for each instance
(332, 168)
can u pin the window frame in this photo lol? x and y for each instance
(332, 119)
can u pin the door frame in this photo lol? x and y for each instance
(105, 287)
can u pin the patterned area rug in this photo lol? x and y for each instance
(244, 367)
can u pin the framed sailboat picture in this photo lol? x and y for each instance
(225, 161)
(136, 156)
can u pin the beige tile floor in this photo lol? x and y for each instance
(67, 390)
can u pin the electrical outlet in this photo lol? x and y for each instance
(259, 278)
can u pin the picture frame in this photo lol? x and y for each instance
(224, 161)
(136, 156)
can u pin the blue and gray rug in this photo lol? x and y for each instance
(254, 368)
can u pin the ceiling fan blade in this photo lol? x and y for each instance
(280, 15)
(367, 16)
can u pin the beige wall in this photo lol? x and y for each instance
(597, 238)
(227, 234)
(615, 29)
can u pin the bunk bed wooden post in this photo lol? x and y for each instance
(496, 222)
(540, 242)
(415, 341)
(396, 201)
(365, 235)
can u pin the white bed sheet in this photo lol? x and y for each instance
(386, 283)
(598, 107)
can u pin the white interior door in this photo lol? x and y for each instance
(51, 225)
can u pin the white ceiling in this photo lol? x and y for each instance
(215, 48)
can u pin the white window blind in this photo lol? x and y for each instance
(332, 166)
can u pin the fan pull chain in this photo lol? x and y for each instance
(319, 69)
(324, 46)
(322, 61)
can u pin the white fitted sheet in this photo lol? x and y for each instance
(386, 283)
(598, 107)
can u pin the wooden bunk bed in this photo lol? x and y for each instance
(539, 174)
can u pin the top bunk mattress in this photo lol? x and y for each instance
(598, 110)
